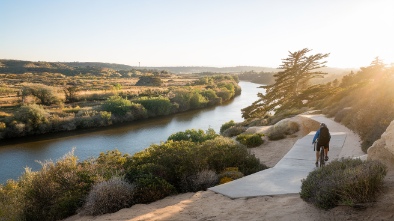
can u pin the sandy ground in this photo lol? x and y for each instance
(207, 205)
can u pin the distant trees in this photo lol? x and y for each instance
(116, 105)
(71, 93)
(156, 106)
(32, 115)
(42, 109)
(46, 95)
(297, 69)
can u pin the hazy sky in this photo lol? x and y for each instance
(197, 33)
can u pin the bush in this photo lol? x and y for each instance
(230, 174)
(281, 129)
(196, 136)
(56, 191)
(46, 94)
(200, 181)
(11, 201)
(108, 197)
(348, 181)
(149, 169)
(226, 126)
(156, 106)
(197, 100)
(224, 152)
(234, 131)
(116, 105)
(150, 188)
(250, 140)
(32, 115)
(181, 161)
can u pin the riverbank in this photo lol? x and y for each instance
(207, 205)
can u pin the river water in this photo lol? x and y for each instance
(130, 138)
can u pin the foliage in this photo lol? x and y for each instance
(184, 160)
(201, 181)
(156, 106)
(211, 96)
(108, 197)
(349, 106)
(297, 70)
(46, 94)
(347, 181)
(11, 201)
(56, 191)
(250, 140)
(193, 135)
(224, 152)
(227, 125)
(234, 131)
(230, 174)
(32, 115)
(116, 105)
(182, 99)
(151, 188)
(197, 100)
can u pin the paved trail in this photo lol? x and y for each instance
(285, 177)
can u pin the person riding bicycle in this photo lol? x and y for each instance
(322, 137)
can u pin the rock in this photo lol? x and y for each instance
(383, 149)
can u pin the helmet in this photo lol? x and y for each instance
(323, 125)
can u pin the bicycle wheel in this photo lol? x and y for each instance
(322, 162)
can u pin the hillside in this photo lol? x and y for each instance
(95, 68)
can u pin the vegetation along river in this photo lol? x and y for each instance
(130, 138)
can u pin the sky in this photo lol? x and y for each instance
(218, 33)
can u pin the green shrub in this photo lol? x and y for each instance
(225, 94)
(181, 161)
(230, 175)
(153, 169)
(182, 98)
(116, 105)
(226, 126)
(150, 188)
(32, 115)
(221, 153)
(347, 181)
(197, 100)
(181, 158)
(213, 99)
(196, 136)
(250, 140)
(11, 201)
(56, 191)
(46, 94)
(156, 106)
(108, 197)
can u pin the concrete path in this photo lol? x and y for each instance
(285, 177)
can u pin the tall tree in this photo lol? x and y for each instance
(296, 71)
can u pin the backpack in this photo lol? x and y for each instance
(324, 136)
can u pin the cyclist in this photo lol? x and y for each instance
(322, 137)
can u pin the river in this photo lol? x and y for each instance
(129, 138)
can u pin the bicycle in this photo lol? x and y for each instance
(321, 157)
